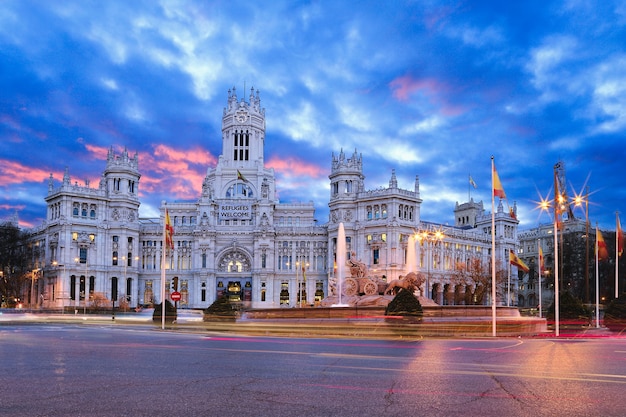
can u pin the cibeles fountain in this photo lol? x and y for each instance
(353, 285)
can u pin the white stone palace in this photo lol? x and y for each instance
(238, 239)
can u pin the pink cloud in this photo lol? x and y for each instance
(435, 91)
(403, 87)
(12, 172)
(179, 172)
(292, 167)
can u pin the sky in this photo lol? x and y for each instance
(428, 88)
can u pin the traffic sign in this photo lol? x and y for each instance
(175, 296)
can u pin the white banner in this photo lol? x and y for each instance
(235, 211)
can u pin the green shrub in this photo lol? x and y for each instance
(570, 308)
(221, 308)
(170, 312)
(615, 314)
(404, 304)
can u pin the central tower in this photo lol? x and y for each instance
(243, 131)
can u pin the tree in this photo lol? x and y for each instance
(476, 276)
(14, 256)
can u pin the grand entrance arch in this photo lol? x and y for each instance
(234, 275)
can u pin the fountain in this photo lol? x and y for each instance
(411, 258)
(341, 263)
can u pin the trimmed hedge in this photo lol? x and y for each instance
(615, 314)
(170, 312)
(404, 304)
(570, 308)
(220, 309)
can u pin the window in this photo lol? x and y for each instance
(129, 288)
(114, 288)
(114, 258)
(376, 256)
(241, 146)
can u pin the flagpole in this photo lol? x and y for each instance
(163, 255)
(597, 282)
(540, 272)
(617, 244)
(493, 249)
(508, 286)
(557, 197)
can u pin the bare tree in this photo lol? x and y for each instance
(14, 256)
(476, 276)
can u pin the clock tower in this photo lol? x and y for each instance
(243, 132)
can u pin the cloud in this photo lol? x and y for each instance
(552, 66)
(174, 171)
(294, 167)
(14, 172)
(609, 94)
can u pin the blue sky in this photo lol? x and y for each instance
(428, 88)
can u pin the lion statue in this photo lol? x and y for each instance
(410, 282)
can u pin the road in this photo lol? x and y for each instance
(101, 370)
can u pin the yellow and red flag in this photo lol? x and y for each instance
(515, 260)
(602, 251)
(498, 191)
(169, 231)
(540, 260)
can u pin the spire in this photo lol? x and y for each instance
(393, 182)
(417, 186)
(66, 176)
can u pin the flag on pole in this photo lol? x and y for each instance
(169, 231)
(472, 182)
(602, 251)
(241, 177)
(498, 191)
(620, 239)
(540, 260)
(515, 260)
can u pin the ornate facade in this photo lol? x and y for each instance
(238, 239)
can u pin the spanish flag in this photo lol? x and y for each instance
(169, 231)
(515, 260)
(602, 251)
(498, 191)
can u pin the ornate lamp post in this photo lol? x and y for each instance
(579, 200)
(431, 237)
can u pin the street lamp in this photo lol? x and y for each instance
(298, 293)
(85, 293)
(578, 202)
(32, 287)
(431, 237)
